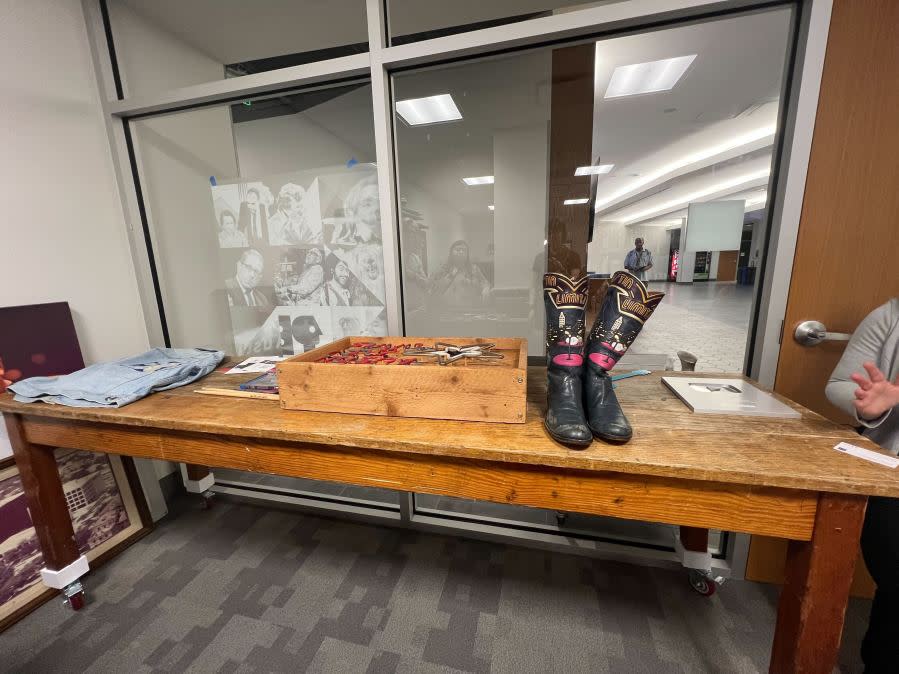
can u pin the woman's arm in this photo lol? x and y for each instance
(865, 345)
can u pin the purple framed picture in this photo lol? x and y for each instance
(38, 340)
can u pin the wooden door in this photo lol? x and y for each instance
(727, 265)
(847, 253)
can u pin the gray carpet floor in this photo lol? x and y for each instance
(242, 588)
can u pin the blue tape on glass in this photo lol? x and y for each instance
(352, 162)
(212, 180)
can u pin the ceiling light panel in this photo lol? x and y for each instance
(428, 110)
(478, 180)
(593, 170)
(575, 202)
(708, 191)
(685, 162)
(647, 78)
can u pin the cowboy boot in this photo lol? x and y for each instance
(626, 307)
(565, 301)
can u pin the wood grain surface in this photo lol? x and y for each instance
(490, 391)
(669, 440)
(778, 512)
(813, 601)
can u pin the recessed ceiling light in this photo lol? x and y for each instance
(490, 207)
(646, 78)
(478, 180)
(593, 170)
(428, 110)
(575, 202)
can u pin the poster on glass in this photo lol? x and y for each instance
(301, 258)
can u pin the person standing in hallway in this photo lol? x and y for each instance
(872, 400)
(639, 260)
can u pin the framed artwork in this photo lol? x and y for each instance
(104, 513)
(102, 492)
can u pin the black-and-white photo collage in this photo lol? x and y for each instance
(301, 259)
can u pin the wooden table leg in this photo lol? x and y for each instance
(196, 473)
(814, 597)
(694, 539)
(198, 480)
(63, 563)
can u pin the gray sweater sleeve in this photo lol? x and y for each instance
(867, 344)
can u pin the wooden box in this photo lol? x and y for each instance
(464, 390)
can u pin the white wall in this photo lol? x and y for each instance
(62, 232)
(152, 59)
(62, 226)
(521, 166)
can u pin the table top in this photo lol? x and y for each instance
(669, 440)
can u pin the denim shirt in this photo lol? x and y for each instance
(120, 382)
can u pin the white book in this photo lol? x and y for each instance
(727, 396)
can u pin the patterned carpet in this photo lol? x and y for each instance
(242, 588)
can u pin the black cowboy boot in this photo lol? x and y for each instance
(626, 307)
(565, 301)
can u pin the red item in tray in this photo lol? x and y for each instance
(369, 353)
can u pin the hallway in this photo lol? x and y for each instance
(708, 319)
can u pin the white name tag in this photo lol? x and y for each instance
(867, 455)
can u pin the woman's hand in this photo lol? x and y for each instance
(875, 394)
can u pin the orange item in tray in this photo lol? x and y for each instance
(369, 353)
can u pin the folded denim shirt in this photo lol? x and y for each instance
(120, 382)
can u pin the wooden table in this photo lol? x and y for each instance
(761, 476)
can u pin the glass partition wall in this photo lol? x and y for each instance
(302, 202)
(266, 225)
(496, 160)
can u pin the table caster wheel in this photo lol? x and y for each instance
(560, 519)
(207, 500)
(702, 584)
(74, 596)
(76, 601)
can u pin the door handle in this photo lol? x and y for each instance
(812, 333)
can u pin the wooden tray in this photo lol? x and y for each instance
(465, 390)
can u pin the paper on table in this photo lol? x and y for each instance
(867, 455)
(256, 364)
